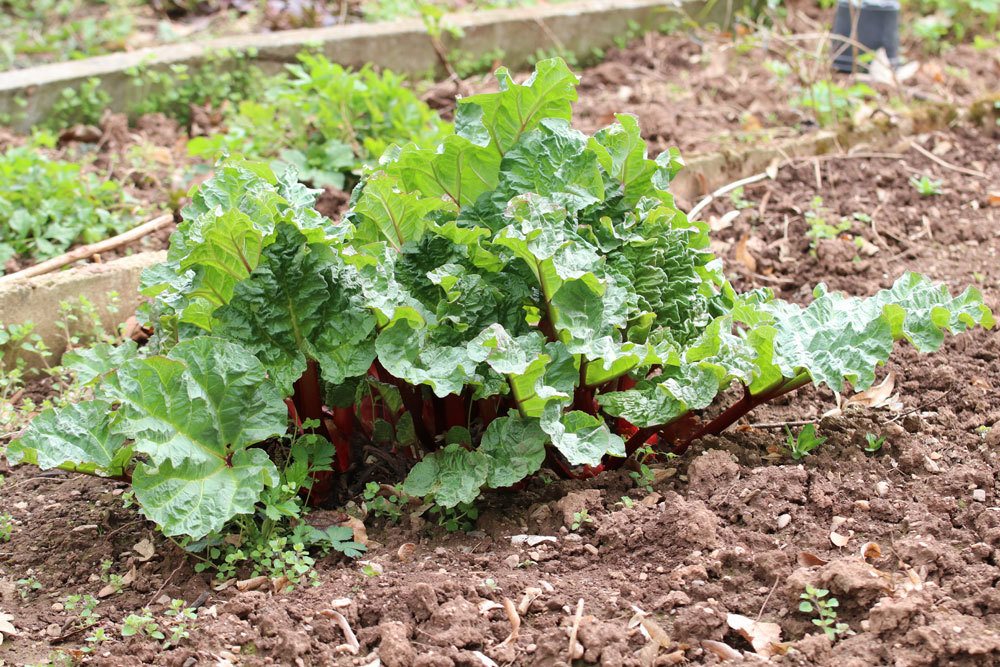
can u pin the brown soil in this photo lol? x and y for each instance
(706, 92)
(735, 527)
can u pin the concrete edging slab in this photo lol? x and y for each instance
(37, 299)
(402, 46)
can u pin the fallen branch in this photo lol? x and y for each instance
(725, 189)
(352, 644)
(86, 251)
(575, 629)
(947, 165)
(767, 425)
(515, 622)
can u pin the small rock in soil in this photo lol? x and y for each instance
(422, 601)
(395, 649)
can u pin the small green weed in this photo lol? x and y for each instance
(6, 527)
(816, 602)
(581, 519)
(737, 200)
(873, 443)
(831, 103)
(820, 227)
(381, 505)
(27, 587)
(85, 607)
(926, 186)
(461, 517)
(48, 205)
(804, 443)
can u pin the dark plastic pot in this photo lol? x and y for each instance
(877, 28)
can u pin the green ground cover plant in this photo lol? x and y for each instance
(47, 205)
(325, 120)
(519, 296)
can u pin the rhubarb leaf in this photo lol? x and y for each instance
(199, 496)
(499, 119)
(384, 212)
(515, 448)
(302, 303)
(837, 338)
(582, 438)
(78, 437)
(204, 401)
(450, 476)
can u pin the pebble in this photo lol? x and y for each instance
(57, 606)
(53, 630)
(784, 520)
(591, 548)
(512, 561)
(882, 489)
(979, 495)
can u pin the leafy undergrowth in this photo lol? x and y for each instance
(332, 121)
(46, 205)
(521, 295)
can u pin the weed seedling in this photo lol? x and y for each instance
(814, 601)
(85, 606)
(820, 228)
(381, 505)
(27, 587)
(736, 198)
(142, 624)
(580, 519)
(873, 443)
(926, 186)
(6, 527)
(97, 637)
(116, 581)
(804, 443)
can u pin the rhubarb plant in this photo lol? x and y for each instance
(519, 296)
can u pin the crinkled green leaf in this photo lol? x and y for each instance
(451, 476)
(515, 448)
(231, 219)
(204, 401)
(384, 212)
(77, 437)
(549, 378)
(837, 338)
(458, 170)
(675, 393)
(199, 496)
(414, 356)
(91, 363)
(301, 304)
(552, 161)
(621, 151)
(920, 311)
(582, 438)
(499, 119)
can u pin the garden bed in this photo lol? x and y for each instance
(703, 93)
(733, 527)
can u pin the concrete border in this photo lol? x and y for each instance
(403, 46)
(37, 299)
